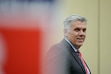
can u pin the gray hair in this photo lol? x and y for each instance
(73, 18)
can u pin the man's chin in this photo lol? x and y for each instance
(80, 44)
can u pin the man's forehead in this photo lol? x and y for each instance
(78, 22)
(80, 25)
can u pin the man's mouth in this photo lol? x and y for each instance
(80, 39)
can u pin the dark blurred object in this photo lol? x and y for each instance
(28, 0)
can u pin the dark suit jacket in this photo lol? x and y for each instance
(62, 59)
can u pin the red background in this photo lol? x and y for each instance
(23, 50)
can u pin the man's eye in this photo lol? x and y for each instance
(77, 29)
(84, 30)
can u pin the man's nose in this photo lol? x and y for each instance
(82, 32)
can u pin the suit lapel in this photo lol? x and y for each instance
(71, 50)
(88, 67)
(78, 60)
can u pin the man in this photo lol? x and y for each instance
(65, 57)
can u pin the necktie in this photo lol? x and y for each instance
(83, 62)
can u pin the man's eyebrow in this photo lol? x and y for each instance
(84, 28)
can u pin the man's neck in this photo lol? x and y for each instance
(73, 46)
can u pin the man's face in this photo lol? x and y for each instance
(76, 33)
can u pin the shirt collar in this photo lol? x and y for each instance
(70, 44)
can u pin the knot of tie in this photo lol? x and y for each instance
(78, 53)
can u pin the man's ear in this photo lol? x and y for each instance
(65, 32)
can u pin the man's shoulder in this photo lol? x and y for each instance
(58, 49)
(59, 46)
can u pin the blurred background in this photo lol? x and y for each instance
(28, 28)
